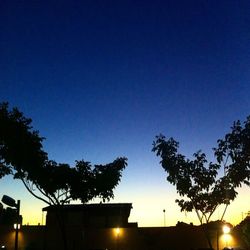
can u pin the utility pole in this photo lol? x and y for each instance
(164, 218)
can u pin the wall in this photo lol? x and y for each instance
(28, 237)
(168, 238)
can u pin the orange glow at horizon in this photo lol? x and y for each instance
(150, 215)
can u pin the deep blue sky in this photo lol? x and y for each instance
(101, 78)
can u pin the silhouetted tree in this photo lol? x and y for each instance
(22, 154)
(233, 152)
(242, 231)
(198, 181)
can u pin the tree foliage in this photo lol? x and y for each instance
(199, 183)
(22, 155)
(196, 180)
(243, 231)
(20, 148)
(233, 152)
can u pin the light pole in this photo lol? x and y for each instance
(12, 203)
(164, 217)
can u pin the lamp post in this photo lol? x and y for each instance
(12, 203)
(164, 217)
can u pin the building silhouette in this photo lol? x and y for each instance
(91, 215)
(106, 227)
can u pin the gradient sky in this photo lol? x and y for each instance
(101, 79)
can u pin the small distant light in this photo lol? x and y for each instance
(226, 229)
(3, 247)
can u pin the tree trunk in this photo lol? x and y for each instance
(206, 232)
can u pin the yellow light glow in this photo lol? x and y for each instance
(227, 240)
(226, 229)
(117, 232)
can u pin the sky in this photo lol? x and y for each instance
(100, 79)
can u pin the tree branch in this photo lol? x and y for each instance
(31, 192)
(224, 212)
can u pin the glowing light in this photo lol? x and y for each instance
(227, 240)
(17, 226)
(226, 229)
(117, 231)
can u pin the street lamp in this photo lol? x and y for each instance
(17, 226)
(12, 203)
(226, 229)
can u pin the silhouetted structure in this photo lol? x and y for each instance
(91, 215)
(8, 216)
(94, 226)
